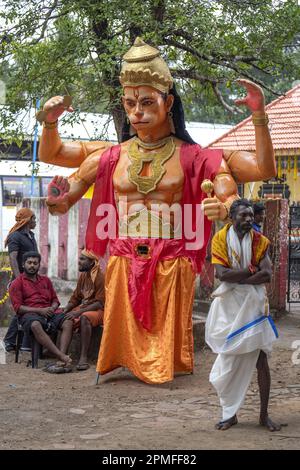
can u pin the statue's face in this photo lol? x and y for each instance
(146, 107)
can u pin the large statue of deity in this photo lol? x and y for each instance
(147, 210)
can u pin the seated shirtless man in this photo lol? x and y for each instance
(85, 307)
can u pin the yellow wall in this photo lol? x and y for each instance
(251, 189)
(89, 193)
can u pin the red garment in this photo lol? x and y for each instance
(30, 293)
(142, 270)
(103, 194)
(197, 164)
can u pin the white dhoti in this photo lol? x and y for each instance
(237, 329)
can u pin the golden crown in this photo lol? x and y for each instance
(144, 66)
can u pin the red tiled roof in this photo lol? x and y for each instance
(284, 125)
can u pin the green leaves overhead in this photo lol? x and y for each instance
(55, 47)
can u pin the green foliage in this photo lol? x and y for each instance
(53, 47)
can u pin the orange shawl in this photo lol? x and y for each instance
(219, 247)
(23, 216)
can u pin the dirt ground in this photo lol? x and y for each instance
(43, 411)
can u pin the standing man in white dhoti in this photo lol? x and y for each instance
(239, 328)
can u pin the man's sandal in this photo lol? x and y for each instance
(58, 368)
(83, 366)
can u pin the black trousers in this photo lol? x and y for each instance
(11, 335)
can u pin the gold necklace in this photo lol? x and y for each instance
(152, 145)
(145, 184)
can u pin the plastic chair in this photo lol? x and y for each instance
(36, 348)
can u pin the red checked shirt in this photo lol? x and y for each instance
(32, 293)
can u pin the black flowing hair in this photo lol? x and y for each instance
(178, 120)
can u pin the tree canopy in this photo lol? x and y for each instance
(51, 47)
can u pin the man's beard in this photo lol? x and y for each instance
(243, 230)
(31, 273)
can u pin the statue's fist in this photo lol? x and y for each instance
(56, 106)
(214, 209)
(58, 191)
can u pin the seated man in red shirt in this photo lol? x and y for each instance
(36, 304)
(86, 305)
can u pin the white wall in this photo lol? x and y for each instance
(53, 246)
(8, 220)
(24, 168)
(21, 168)
(73, 224)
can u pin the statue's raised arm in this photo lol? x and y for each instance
(242, 166)
(64, 192)
(261, 165)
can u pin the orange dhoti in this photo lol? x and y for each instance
(152, 356)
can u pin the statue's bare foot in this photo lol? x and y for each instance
(269, 424)
(224, 425)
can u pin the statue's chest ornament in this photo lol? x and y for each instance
(156, 159)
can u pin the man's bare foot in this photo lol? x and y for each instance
(269, 424)
(224, 425)
(66, 360)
